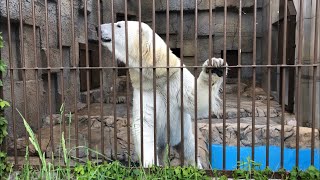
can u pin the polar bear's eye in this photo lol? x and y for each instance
(118, 25)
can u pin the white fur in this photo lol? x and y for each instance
(119, 48)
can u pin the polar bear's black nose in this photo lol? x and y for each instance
(105, 39)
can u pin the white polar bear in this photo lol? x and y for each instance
(161, 90)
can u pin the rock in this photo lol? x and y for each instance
(102, 140)
(89, 6)
(233, 88)
(56, 119)
(260, 132)
(260, 94)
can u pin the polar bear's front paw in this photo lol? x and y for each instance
(214, 66)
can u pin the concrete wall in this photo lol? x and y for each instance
(274, 41)
(69, 51)
(203, 29)
(232, 39)
(308, 47)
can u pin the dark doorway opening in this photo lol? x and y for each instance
(94, 74)
(290, 54)
(176, 51)
(121, 17)
(232, 59)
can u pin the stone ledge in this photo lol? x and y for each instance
(260, 135)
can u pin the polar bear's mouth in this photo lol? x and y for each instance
(106, 40)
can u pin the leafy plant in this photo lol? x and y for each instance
(5, 167)
(3, 128)
(34, 142)
(115, 170)
(1, 40)
(310, 173)
(251, 170)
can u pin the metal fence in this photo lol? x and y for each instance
(42, 65)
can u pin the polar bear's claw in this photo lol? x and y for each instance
(214, 66)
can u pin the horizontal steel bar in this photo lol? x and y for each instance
(170, 67)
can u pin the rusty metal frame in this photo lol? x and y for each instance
(74, 70)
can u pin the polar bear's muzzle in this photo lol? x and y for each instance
(106, 33)
(105, 39)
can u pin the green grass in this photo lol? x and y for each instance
(115, 170)
(92, 170)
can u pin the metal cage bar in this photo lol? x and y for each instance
(239, 80)
(168, 72)
(298, 92)
(210, 79)
(314, 85)
(195, 72)
(13, 98)
(283, 92)
(269, 81)
(181, 84)
(49, 69)
(224, 154)
(154, 85)
(127, 82)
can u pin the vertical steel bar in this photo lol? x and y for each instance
(87, 72)
(268, 81)
(101, 74)
(154, 81)
(284, 62)
(4, 144)
(239, 80)
(12, 85)
(23, 61)
(298, 94)
(224, 85)
(114, 73)
(210, 79)
(127, 81)
(36, 71)
(181, 84)
(168, 72)
(254, 60)
(141, 81)
(314, 84)
(49, 72)
(195, 82)
(61, 65)
(74, 64)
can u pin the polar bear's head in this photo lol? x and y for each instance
(119, 39)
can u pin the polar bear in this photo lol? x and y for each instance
(119, 39)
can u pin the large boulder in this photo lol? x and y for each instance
(102, 140)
